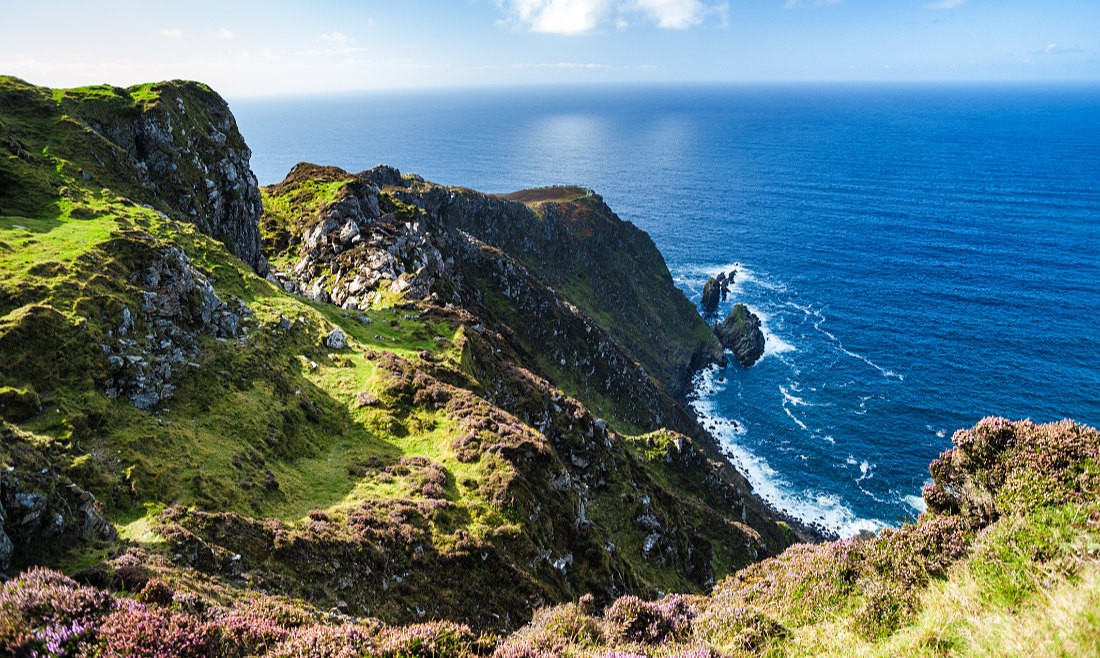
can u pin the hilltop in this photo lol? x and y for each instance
(365, 414)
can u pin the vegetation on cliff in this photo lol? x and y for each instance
(1003, 563)
(408, 456)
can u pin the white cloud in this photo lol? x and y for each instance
(795, 4)
(673, 14)
(335, 37)
(562, 65)
(1055, 49)
(171, 32)
(944, 4)
(581, 16)
(223, 33)
(559, 16)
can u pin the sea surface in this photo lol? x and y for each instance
(921, 256)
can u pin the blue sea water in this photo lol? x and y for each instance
(921, 256)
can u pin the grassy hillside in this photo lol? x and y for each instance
(168, 411)
(1005, 563)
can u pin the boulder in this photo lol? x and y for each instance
(740, 333)
(712, 294)
(336, 339)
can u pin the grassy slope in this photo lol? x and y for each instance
(269, 429)
(59, 238)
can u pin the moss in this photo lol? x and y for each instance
(19, 404)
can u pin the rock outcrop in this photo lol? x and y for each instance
(151, 344)
(741, 334)
(564, 275)
(41, 510)
(712, 295)
(173, 146)
(188, 153)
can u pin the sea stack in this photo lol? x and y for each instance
(741, 334)
(712, 294)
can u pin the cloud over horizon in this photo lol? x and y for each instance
(582, 16)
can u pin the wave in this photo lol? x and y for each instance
(797, 421)
(814, 507)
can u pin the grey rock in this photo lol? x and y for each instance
(712, 295)
(336, 339)
(194, 165)
(6, 550)
(740, 333)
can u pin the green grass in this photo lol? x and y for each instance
(562, 193)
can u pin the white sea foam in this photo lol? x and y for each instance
(819, 320)
(917, 503)
(796, 420)
(791, 398)
(815, 507)
(773, 344)
(940, 432)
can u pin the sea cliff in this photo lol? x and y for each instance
(432, 402)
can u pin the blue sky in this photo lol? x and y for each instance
(246, 48)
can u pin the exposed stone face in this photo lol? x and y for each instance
(336, 340)
(354, 250)
(188, 155)
(712, 295)
(178, 304)
(741, 334)
(39, 507)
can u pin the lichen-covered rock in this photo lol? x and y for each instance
(740, 333)
(41, 509)
(336, 339)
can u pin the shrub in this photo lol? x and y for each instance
(346, 641)
(999, 467)
(156, 592)
(739, 628)
(570, 623)
(440, 638)
(631, 619)
(136, 631)
(45, 612)
(885, 609)
(249, 631)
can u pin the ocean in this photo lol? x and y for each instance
(921, 256)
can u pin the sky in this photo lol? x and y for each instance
(249, 48)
